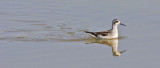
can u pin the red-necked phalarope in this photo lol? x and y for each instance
(109, 34)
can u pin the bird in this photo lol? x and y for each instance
(108, 34)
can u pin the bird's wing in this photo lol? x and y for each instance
(103, 33)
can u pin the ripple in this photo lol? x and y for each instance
(48, 27)
(65, 28)
(87, 39)
(17, 30)
(38, 24)
(26, 21)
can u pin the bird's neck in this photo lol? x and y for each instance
(114, 28)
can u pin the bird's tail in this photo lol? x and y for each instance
(87, 32)
(93, 34)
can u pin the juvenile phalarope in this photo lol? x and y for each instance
(109, 34)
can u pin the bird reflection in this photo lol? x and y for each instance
(111, 42)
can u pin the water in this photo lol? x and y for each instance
(49, 34)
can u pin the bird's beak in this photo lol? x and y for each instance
(122, 24)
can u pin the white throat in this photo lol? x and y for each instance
(115, 30)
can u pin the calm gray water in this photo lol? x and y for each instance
(49, 34)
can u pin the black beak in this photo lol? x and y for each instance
(122, 24)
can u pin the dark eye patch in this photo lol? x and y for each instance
(115, 22)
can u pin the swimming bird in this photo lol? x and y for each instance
(108, 34)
